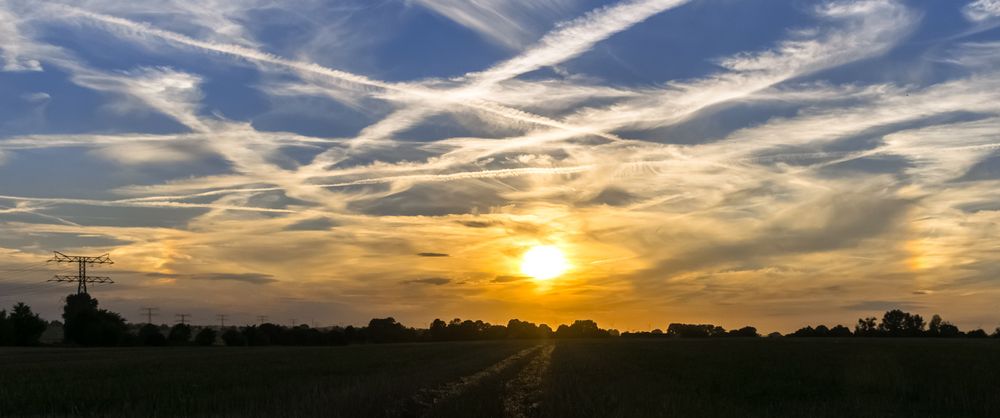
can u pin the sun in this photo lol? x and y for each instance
(544, 262)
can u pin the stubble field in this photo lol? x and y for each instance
(566, 378)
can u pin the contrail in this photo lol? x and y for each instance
(426, 178)
(157, 204)
(576, 37)
(255, 55)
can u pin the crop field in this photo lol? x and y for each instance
(565, 378)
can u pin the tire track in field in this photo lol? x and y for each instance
(523, 394)
(421, 404)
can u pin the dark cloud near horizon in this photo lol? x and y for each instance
(315, 224)
(432, 255)
(434, 281)
(252, 278)
(476, 224)
(508, 279)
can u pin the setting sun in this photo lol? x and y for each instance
(544, 262)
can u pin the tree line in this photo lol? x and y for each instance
(86, 324)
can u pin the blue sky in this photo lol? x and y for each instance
(724, 161)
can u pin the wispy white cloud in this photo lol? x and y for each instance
(509, 23)
(980, 10)
(12, 55)
(575, 37)
(890, 179)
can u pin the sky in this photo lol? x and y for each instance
(763, 162)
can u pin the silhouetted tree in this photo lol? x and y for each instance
(150, 335)
(774, 335)
(746, 331)
(821, 331)
(694, 331)
(976, 333)
(180, 334)
(205, 337)
(934, 327)
(28, 327)
(545, 331)
(86, 325)
(803, 332)
(387, 330)
(948, 330)
(438, 330)
(254, 336)
(354, 335)
(233, 337)
(896, 323)
(840, 331)
(523, 329)
(866, 327)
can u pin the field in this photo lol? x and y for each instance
(587, 378)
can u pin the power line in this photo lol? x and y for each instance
(82, 262)
(28, 289)
(150, 313)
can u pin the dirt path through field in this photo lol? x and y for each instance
(523, 394)
(421, 404)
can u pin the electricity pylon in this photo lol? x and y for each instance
(150, 313)
(82, 262)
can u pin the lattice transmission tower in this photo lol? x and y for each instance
(81, 277)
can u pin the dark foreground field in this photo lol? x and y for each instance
(608, 378)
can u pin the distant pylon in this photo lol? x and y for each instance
(82, 262)
(150, 313)
(182, 318)
(222, 320)
(261, 319)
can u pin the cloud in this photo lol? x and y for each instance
(980, 10)
(476, 224)
(313, 224)
(831, 171)
(161, 275)
(15, 52)
(316, 69)
(577, 36)
(509, 279)
(433, 281)
(251, 278)
(37, 97)
(506, 22)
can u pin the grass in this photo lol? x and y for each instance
(597, 378)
